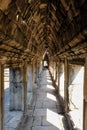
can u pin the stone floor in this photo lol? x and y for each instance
(43, 114)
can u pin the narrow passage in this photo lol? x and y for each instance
(43, 114)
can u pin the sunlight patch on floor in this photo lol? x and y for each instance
(51, 96)
(53, 118)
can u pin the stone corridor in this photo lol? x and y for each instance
(43, 114)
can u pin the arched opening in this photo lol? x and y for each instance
(46, 60)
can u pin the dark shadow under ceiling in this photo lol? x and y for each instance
(29, 27)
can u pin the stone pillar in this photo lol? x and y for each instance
(51, 68)
(35, 75)
(66, 84)
(25, 86)
(58, 77)
(37, 71)
(1, 97)
(16, 89)
(42, 64)
(56, 72)
(85, 98)
(29, 79)
(40, 68)
(61, 88)
(29, 85)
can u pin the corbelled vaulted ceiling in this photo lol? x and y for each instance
(28, 28)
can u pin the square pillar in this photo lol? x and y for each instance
(1, 97)
(25, 87)
(29, 85)
(61, 82)
(35, 75)
(58, 77)
(66, 85)
(53, 70)
(16, 89)
(29, 79)
(56, 72)
(85, 97)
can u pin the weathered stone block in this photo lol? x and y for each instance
(16, 89)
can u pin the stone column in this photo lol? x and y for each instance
(66, 84)
(42, 64)
(29, 85)
(29, 79)
(33, 72)
(1, 97)
(40, 68)
(58, 77)
(35, 75)
(37, 71)
(53, 70)
(61, 82)
(16, 89)
(25, 87)
(56, 72)
(85, 98)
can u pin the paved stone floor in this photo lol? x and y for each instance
(43, 114)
